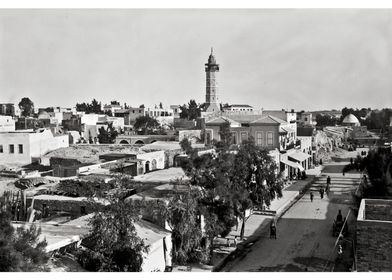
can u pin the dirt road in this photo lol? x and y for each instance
(304, 233)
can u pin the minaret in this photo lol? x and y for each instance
(212, 99)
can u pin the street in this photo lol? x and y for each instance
(304, 233)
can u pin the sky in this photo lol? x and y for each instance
(289, 58)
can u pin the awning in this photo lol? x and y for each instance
(282, 131)
(299, 156)
(292, 164)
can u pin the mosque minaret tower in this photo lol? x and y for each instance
(212, 97)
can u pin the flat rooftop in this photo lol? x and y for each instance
(162, 175)
(375, 210)
(57, 235)
(91, 153)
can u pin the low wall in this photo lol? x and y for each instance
(374, 246)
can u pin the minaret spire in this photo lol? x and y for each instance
(212, 50)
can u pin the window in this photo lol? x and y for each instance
(1, 148)
(20, 149)
(259, 138)
(12, 148)
(270, 138)
(244, 136)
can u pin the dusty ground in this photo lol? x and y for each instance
(305, 240)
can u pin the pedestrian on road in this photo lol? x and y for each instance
(273, 229)
(322, 192)
(311, 197)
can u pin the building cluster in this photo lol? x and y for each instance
(62, 144)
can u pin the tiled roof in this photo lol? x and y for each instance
(269, 120)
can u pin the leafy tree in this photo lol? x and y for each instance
(191, 111)
(94, 107)
(26, 106)
(184, 114)
(326, 120)
(113, 236)
(255, 179)
(378, 165)
(230, 183)
(20, 249)
(160, 105)
(226, 138)
(194, 110)
(184, 219)
(107, 136)
(141, 106)
(114, 102)
(146, 125)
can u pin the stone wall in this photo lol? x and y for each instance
(374, 246)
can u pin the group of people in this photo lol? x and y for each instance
(321, 190)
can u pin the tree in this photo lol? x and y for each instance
(255, 180)
(107, 136)
(184, 220)
(225, 136)
(146, 125)
(113, 236)
(160, 105)
(191, 111)
(94, 107)
(378, 165)
(114, 102)
(231, 183)
(194, 110)
(20, 249)
(326, 120)
(184, 114)
(26, 106)
(141, 106)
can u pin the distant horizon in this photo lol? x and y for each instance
(269, 58)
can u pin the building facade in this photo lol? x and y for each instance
(7, 123)
(24, 147)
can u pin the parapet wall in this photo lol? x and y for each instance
(374, 236)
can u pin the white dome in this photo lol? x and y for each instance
(351, 120)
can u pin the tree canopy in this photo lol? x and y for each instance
(191, 111)
(146, 125)
(230, 183)
(108, 135)
(93, 107)
(113, 240)
(26, 106)
(20, 249)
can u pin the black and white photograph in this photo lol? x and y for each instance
(196, 140)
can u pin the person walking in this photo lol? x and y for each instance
(273, 229)
(311, 196)
(328, 181)
(322, 192)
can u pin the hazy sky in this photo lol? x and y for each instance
(302, 59)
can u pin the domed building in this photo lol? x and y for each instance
(351, 120)
(43, 115)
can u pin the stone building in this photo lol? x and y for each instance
(374, 235)
(7, 123)
(24, 147)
